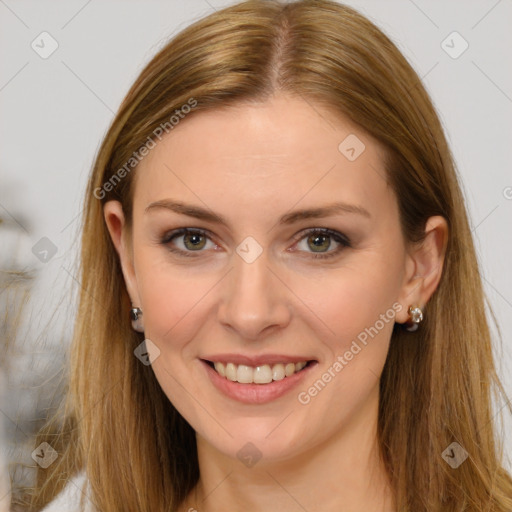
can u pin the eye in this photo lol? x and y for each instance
(320, 240)
(193, 240)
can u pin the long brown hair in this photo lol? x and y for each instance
(437, 384)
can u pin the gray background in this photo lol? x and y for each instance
(54, 112)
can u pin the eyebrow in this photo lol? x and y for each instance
(289, 218)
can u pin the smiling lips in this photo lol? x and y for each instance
(257, 379)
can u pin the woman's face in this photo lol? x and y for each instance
(255, 289)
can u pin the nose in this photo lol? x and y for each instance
(255, 301)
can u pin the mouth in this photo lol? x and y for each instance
(255, 385)
(261, 374)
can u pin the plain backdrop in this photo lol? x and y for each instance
(55, 111)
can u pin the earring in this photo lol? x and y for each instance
(135, 315)
(415, 317)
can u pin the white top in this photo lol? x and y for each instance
(69, 498)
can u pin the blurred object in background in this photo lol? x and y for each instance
(15, 285)
(5, 484)
(30, 359)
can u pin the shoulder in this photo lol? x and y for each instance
(69, 498)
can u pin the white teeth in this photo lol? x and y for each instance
(278, 372)
(221, 370)
(263, 374)
(289, 369)
(231, 372)
(244, 374)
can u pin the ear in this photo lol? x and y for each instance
(114, 218)
(424, 266)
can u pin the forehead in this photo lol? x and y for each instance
(264, 155)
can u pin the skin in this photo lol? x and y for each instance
(251, 164)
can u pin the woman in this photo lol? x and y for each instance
(276, 207)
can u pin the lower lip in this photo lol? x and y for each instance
(256, 393)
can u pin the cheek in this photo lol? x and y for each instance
(349, 300)
(356, 304)
(173, 301)
(175, 306)
(177, 300)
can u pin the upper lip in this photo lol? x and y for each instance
(258, 360)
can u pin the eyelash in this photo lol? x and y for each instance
(338, 237)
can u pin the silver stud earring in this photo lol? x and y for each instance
(135, 316)
(415, 317)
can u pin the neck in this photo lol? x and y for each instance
(344, 473)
